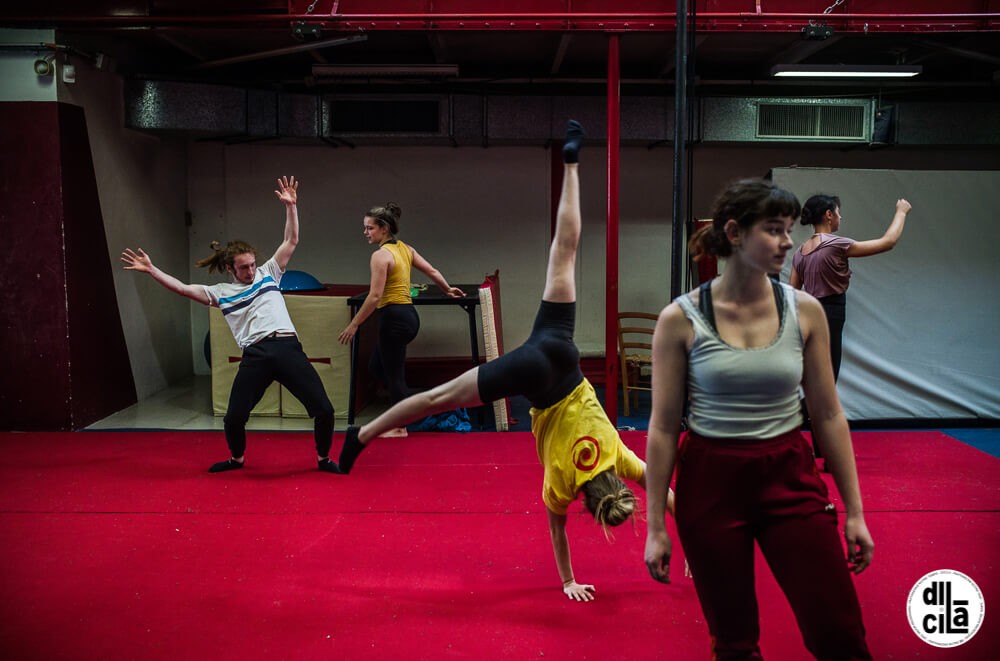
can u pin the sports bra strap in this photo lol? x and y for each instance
(705, 301)
(779, 296)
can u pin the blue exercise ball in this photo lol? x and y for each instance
(300, 281)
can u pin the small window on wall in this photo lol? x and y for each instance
(385, 116)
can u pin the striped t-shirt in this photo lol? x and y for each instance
(253, 311)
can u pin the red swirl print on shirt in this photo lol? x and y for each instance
(586, 453)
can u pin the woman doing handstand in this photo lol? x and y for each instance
(578, 446)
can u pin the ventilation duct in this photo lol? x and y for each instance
(235, 115)
(805, 122)
(787, 120)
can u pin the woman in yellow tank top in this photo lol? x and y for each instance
(389, 296)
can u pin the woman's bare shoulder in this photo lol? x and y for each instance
(672, 319)
(807, 301)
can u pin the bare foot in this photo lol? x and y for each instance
(397, 432)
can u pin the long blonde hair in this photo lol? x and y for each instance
(609, 499)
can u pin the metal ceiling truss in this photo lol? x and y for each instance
(915, 16)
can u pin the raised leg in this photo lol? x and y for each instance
(560, 276)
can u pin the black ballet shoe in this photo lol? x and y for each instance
(227, 465)
(352, 448)
(329, 466)
(574, 140)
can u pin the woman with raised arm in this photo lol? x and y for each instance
(820, 265)
(737, 349)
(255, 310)
(389, 296)
(578, 446)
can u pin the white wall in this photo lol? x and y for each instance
(467, 210)
(471, 210)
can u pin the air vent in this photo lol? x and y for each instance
(784, 121)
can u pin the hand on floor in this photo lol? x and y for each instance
(578, 592)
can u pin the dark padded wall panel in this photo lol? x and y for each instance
(101, 375)
(64, 363)
(34, 362)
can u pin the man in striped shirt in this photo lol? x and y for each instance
(255, 310)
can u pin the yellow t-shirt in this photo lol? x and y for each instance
(576, 442)
(397, 283)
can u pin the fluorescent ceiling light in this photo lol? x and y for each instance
(844, 71)
(382, 70)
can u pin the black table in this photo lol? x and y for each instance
(432, 296)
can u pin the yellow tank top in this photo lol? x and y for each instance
(397, 283)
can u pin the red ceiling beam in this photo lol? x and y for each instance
(859, 22)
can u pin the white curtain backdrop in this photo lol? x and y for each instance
(921, 339)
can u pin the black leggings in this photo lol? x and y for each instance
(278, 359)
(544, 369)
(835, 307)
(397, 326)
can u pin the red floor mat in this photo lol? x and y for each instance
(121, 546)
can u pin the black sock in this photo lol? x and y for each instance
(574, 140)
(328, 466)
(352, 448)
(227, 465)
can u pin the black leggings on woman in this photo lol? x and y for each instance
(835, 307)
(397, 326)
(544, 369)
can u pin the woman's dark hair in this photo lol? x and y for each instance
(816, 207)
(220, 259)
(608, 499)
(746, 201)
(387, 216)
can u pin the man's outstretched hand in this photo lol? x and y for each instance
(287, 190)
(137, 260)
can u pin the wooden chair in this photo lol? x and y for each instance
(635, 351)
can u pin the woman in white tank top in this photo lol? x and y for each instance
(739, 349)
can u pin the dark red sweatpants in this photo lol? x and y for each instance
(733, 492)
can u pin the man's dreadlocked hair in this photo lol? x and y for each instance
(220, 259)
